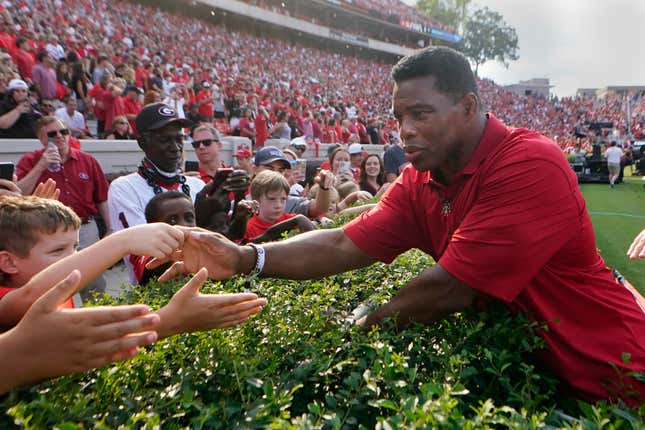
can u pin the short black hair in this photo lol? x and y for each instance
(152, 208)
(451, 70)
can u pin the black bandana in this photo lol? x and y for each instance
(153, 176)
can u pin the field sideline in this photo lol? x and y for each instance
(618, 215)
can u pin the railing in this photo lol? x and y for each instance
(118, 156)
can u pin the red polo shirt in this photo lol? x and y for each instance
(514, 225)
(81, 181)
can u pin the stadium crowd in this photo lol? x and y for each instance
(322, 95)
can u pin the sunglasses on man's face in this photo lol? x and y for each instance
(205, 142)
(62, 132)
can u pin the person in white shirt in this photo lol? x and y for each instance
(73, 119)
(614, 155)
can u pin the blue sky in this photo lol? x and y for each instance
(574, 43)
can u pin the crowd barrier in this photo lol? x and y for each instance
(121, 156)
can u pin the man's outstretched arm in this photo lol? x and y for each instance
(309, 255)
(429, 297)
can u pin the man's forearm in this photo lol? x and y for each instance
(429, 297)
(30, 180)
(105, 214)
(310, 255)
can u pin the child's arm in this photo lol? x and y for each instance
(357, 210)
(155, 240)
(189, 310)
(50, 342)
(274, 232)
(356, 196)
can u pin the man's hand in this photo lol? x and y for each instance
(9, 188)
(50, 341)
(157, 240)
(47, 190)
(201, 248)
(50, 156)
(238, 183)
(189, 310)
(637, 248)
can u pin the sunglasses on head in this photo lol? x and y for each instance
(62, 132)
(205, 142)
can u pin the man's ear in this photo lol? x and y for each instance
(8, 263)
(142, 143)
(470, 104)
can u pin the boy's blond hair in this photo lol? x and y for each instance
(267, 181)
(23, 219)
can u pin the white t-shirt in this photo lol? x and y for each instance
(127, 199)
(614, 155)
(76, 121)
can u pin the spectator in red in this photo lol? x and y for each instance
(113, 101)
(372, 176)
(205, 102)
(207, 145)
(247, 125)
(261, 122)
(97, 94)
(23, 58)
(132, 105)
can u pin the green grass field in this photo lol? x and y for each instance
(618, 215)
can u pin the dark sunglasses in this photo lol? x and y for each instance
(47, 106)
(205, 142)
(62, 132)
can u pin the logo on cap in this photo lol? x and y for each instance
(167, 111)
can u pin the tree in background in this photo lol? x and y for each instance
(485, 34)
(451, 13)
(487, 37)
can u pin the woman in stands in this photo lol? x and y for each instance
(281, 129)
(120, 129)
(372, 176)
(340, 165)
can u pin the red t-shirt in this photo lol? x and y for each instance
(256, 225)
(81, 181)
(98, 93)
(69, 304)
(514, 225)
(206, 109)
(261, 131)
(132, 108)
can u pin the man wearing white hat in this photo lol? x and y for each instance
(17, 116)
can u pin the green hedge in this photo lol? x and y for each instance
(299, 364)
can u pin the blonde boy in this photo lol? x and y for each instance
(270, 189)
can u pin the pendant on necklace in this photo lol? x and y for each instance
(445, 211)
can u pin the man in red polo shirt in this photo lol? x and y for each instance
(132, 105)
(82, 183)
(207, 144)
(499, 210)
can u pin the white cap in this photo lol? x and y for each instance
(355, 148)
(17, 84)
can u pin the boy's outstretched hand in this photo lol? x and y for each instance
(202, 248)
(189, 310)
(49, 341)
(153, 240)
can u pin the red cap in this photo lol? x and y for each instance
(242, 152)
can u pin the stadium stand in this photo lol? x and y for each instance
(322, 87)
